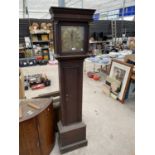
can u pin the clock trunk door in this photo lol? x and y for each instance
(71, 90)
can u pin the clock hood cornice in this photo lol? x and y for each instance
(71, 14)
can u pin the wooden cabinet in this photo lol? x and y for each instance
(36, 131)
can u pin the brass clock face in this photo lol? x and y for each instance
(72, 38)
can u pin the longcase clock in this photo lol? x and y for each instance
(71, 32)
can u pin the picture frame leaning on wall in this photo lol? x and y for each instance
(121, 71)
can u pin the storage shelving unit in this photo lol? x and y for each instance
(41, 38)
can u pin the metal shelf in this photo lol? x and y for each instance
(40, 41)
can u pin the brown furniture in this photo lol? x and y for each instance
(71, 31)
(21, 85)
(36, 131)
(131, 58)
(56, 105)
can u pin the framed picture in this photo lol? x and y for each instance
(121, 71)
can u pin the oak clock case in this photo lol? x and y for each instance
(71, 31)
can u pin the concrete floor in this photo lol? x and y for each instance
(110, 124)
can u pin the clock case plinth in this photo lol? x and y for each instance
(71, 136)
(71, 129)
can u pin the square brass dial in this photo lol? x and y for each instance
(72, 38)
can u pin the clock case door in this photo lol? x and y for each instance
(57, 38)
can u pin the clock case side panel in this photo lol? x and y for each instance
(85, 42)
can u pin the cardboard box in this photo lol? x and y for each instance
(44, 37)
(106, 89)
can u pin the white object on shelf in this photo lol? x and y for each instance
(27, 42)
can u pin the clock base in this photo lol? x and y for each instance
(71, 136)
